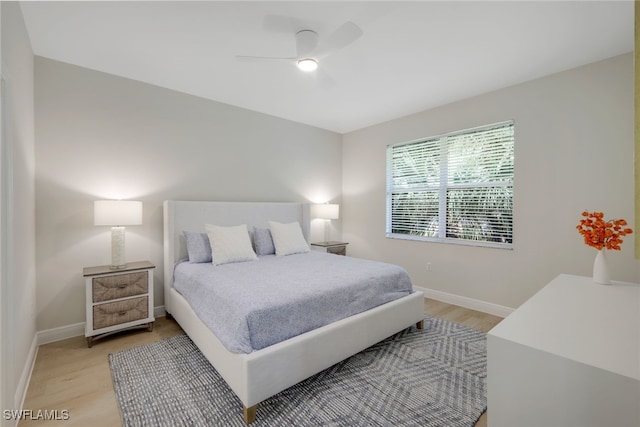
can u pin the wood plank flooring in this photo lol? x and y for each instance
(69, 376)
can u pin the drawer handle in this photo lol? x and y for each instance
(122, 286)
(122, 313)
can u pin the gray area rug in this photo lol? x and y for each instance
(430, 377)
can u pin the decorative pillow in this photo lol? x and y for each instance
(230, 244)
(288, 238)
(263, 241)
(198, 246)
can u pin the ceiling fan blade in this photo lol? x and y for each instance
(319, 78)
(346, 34)
(250, 58)
(325, 79)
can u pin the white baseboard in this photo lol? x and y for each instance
(77, 329)
(159, 311)
(60, 333)
(25, 377)
(470, 303)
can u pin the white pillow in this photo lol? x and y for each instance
(230, 244)
(288, 238)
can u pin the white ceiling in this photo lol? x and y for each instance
(412, 56)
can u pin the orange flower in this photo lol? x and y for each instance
(602, 234)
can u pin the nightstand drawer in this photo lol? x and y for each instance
(332, 247)
(119, 286)
(115, 313)
(338, 250)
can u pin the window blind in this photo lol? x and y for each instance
(454, 187)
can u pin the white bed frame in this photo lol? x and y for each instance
(259, 375)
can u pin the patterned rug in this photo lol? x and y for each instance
(430, 377)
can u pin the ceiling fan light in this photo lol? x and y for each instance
(307, 64)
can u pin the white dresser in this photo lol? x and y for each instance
(569, 356)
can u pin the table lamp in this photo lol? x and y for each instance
(117, 213)
(327, 212)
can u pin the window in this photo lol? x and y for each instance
(454, 188)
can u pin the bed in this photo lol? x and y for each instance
(259, 374)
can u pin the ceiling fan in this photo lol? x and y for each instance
(310, 49)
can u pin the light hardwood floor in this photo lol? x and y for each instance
(69, 376)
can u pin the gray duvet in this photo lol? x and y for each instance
(252, 305)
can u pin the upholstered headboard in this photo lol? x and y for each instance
(192, 216)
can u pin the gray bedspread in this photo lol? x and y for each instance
(252, 305)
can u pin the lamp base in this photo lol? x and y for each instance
(117, 249)
(327, 230)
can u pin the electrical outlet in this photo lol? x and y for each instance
(428, 266)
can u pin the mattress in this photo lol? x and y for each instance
(252, 305)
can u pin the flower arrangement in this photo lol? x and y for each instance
(600, 233)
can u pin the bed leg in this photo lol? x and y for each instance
(420, 324)
(249, 413)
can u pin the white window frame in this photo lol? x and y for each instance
(442, 188)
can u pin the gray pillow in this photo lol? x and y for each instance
(263, 241)
(198, 246)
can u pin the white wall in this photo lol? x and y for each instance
(574, 152)
(101, 136)
(17, 210)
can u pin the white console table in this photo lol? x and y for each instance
(569, 356)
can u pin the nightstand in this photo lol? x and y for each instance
(117, 300)
(338, 248)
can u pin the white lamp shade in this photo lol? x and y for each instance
(117, 212)
(326, 211)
